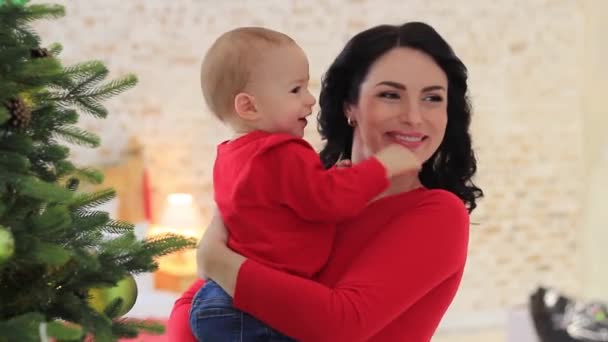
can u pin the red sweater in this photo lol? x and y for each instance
(391, 276)
(281, 206)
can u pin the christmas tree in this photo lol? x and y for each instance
(65, 268)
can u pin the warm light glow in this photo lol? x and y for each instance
(180, 199)
(182, 217)
(159, 230)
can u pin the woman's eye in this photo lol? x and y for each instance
(433, 98)
(389, 95)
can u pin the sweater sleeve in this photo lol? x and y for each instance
(291, 174)
(178, 326)
(407, 259)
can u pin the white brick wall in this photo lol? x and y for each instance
(523, 57)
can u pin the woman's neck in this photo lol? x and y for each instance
(402, 184)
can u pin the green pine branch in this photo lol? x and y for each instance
(62, 331)
(25, 35)
(51, 152)
(17, 19)
(12, 16)
(18, 143)
(128, 328)
(75, 309)
(81, 89)
(91, 106)
(166, 244)
(89, 175)
(85, 240)
(42, 252)
(55, 49)
(44, 170)
(50, 221)
(14, 162)
(77, 136)
(64, 168)
(118, 227)
(4, 115)
(24, 328)
(64, 246)
(35, 188)
(85, 76)
(116, 247)
(112, 88)
(11, 57)
(90, 220)
(88, 201)
(39, 72)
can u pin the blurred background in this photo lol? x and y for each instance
(538, 78)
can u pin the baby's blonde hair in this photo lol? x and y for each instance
(227, 66)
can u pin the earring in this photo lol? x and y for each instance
(351, 122)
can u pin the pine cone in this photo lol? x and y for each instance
(39, 53)
(73, 184)
(20, 114)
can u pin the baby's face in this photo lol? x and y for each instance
(279, 85)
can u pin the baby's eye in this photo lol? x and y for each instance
(296, 90)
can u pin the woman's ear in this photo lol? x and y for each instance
(351, 114)
(244, 106)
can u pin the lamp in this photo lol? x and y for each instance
(180, 216)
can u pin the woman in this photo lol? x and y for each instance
(396, 267)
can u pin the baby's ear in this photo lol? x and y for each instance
(244, 106)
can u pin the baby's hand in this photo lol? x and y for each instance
(398, 159)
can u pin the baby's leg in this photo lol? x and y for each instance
(213, 318)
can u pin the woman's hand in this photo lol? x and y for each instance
(214, 259)
(216, 236)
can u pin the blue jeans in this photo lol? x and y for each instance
(214, 319)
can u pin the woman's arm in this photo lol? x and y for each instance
(215, 259)
(405, 261)
(178, 326)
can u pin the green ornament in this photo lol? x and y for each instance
(14, 2)
(7, 245)
(100, 298)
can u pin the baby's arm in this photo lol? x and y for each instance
(292, 175)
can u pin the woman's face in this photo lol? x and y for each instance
(402, 100)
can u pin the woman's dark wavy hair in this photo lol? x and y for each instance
(453, 164)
